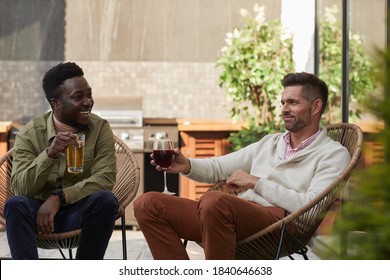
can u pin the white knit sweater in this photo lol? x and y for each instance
(284, 183)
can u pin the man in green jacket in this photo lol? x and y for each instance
(47, 197)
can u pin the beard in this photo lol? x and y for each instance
(83, 126)
(296, 124)
(78, 125)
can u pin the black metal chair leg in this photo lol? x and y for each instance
(124, 244)
(62, 254)
(282, 230)
(303, 251)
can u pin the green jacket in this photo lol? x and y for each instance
(36, 175)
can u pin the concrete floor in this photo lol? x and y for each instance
(137, 248)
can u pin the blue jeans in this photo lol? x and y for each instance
(95, 215)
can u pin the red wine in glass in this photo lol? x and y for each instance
(164, 156)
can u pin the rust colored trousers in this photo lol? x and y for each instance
(218, 220)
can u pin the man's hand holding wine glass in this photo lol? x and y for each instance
(164, 156)
(181, 164)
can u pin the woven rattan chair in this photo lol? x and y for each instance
(277, 240)
(125, 189)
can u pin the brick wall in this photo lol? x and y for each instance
(180, 90)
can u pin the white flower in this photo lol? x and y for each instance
(330, 14)
(260, 17)
(232, 90)
(236, 33)
(245, 39)
(356, 37)
(224, 49)
(228, 41)
(244, 12)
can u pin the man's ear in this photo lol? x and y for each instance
(317, 106)
(55, 104)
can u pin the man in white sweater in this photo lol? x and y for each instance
(279, 173)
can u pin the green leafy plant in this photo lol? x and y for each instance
(330, 65)
(258, 55)
(366, 216)
(253, 62)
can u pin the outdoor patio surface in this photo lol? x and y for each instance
(137, 248)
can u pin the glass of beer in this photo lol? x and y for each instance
(75, 155)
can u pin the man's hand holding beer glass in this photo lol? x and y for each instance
(60, 143)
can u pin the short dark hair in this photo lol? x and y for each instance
(312, 87)
(54, 78)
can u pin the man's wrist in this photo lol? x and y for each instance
(60, 193)
(50, 155)
(188, 167)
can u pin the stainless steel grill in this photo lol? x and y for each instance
(125, 117)
(159, 129)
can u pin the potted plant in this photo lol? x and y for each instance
(253, 62)
(258, 55)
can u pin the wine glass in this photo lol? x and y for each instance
(164, 156)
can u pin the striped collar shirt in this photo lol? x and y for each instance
(290, 151)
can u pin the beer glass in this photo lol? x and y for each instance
(75, 155)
